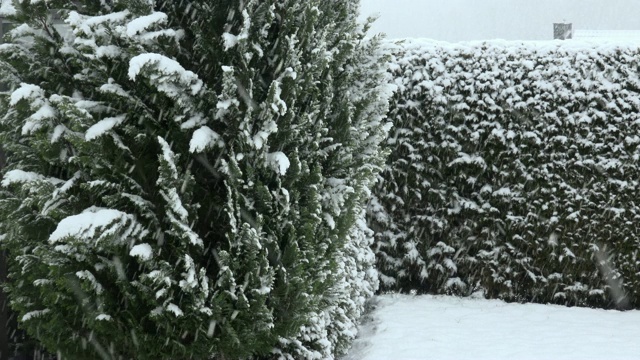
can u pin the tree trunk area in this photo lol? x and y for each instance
(4, 315)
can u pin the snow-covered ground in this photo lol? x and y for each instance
(443, 327)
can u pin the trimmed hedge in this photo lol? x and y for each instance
(514, 171)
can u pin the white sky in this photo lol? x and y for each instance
(461, 20)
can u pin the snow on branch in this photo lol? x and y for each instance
(96, 223)
(25, 177)
(167, 181)
(231, 40)
(94, 24)
(204, 138)
(170, 78)
(142, 251)
(279, 162)
(141, 24)
(162, 70)
(38, 103)
(103, 126)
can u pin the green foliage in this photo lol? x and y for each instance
(514, 172)
(187, 179)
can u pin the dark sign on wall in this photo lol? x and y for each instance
(562, 31)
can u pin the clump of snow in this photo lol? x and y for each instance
(108, 51)
(112, 88)
(231, 40)
(103, 317)
(504, 191)
(20, 176)
(7, 8)
(89, 224)
(33, 122)
(164, 67)
(102, 126)
(190, 281)
(34, 314)
(279, 162)
(204, 138)
(37, 102)
(58, 131)
(142, 251)
(26, 92)
(195, 120)
(173, 308)
(260, 138)
(86, 24)
(140, 24)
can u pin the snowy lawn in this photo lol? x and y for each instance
(444, 327)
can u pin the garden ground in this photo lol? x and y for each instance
(406, 327)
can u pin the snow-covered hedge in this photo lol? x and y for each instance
(514, 170)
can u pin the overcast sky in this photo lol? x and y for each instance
(459, 20)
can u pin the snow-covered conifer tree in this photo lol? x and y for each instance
(187, 179)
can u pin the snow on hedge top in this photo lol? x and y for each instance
(494, 76)
(514, 46)
(424, 53)
(607, 35)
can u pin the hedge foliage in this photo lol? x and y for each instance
(514, 171)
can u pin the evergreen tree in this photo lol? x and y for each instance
(187, 179)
